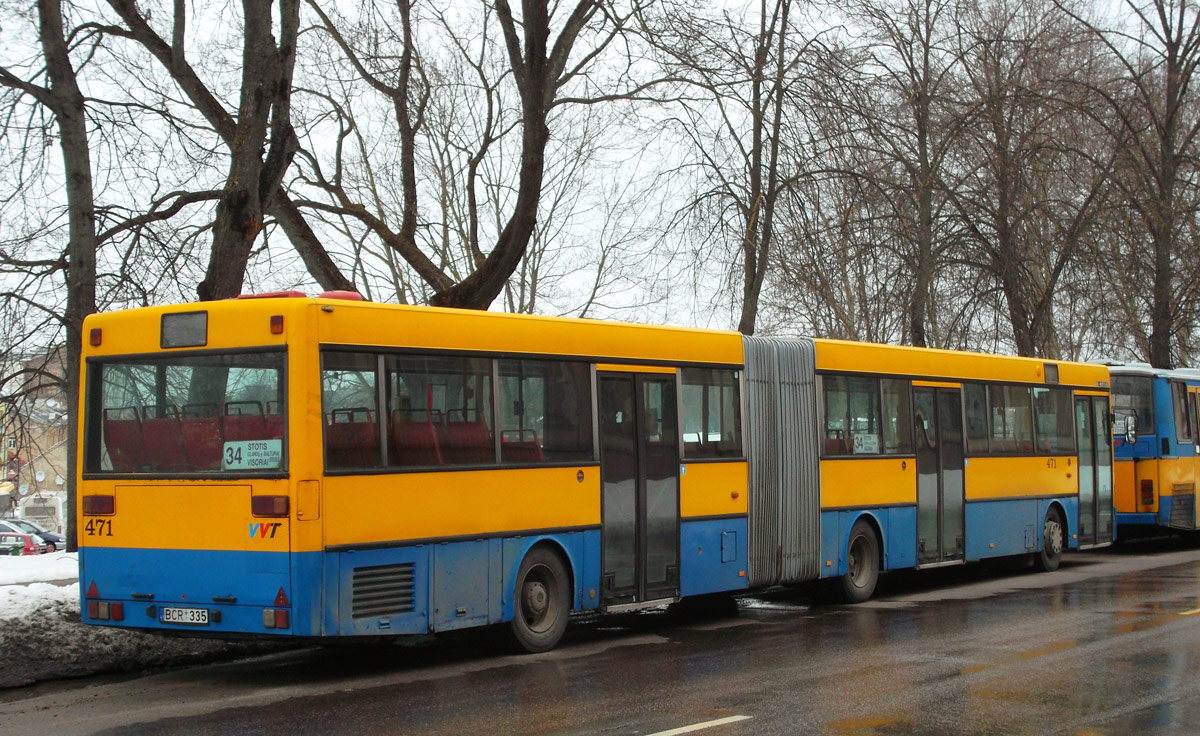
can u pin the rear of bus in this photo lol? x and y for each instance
(1156, 447)
(189, 518)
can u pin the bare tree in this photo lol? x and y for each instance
(899, 117)
(414, 74)
(260, 139)
(1030, 176)
(740, 115)
(1153, 114)
(60, 94)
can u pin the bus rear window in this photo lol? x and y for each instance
(212, 413)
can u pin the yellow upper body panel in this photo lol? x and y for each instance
(1014, 477)
(240, 323)
(842, 356)
(384, 508)
(361, 323)
(713, 489)
(879, 481)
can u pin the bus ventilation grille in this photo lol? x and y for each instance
(1183, 512)
(384, 590)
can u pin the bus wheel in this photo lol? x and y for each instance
(1053, 541)
(862, 563)
(541, 601)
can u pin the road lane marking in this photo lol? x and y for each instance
(701, 726)
(1192, 612)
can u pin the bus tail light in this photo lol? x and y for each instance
(269, 505)
(98, 505)
(1147, 492)
(99, 610)
(275, 618)
(276, 324)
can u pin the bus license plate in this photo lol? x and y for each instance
(193, 616)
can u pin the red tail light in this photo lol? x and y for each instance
(92, 591)
(269, 505)
(93, 609)
(117, 611)
(281, 598)
(97, 505)
(281, 618)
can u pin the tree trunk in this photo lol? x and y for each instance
(266, 88)
(67, 103)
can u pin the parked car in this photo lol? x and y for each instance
(9, 526)
(12, 543)
(52, 540)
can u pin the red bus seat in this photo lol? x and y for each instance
(351, 439)
(202, 439)
(123, 438)
(414, 443)
(465, 443)
(520, 446)
(162, 438)
(274, 421)
(244, 421)
(836, 447)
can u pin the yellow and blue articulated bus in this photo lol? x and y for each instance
(326, 467)
(1157, 448)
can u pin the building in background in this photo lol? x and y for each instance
(34, 418)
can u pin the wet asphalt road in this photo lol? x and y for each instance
(1110, 644)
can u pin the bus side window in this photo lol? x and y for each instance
(1055, 428)
(977, 418)
(897, 435)
(1195, 416)
(712, 413)
(1183, 430)
(1012, 419)
(349, 403)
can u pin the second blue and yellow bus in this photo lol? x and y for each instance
(1157, 448)
(327, 467)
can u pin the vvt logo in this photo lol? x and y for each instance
(266, 531)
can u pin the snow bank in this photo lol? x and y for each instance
(39, 568)
(42, 638)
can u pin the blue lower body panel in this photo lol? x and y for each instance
(236, 586)
(422, 588)
(1135, 519)
(1015, 526)
(713, 555)
(896, 525)
(992, 529)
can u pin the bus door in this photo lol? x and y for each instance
(937, 414)
(1095, 470)
(639, 470)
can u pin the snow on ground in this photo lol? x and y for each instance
(41, 637)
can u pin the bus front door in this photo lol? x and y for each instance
(1095, 471)
(937, 416)
(639, 470)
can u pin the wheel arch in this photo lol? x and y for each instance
(1069, 532)
(876, 525)
(516, 554)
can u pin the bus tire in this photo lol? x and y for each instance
(1054, 537)
(541, 602)
(862, 562)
